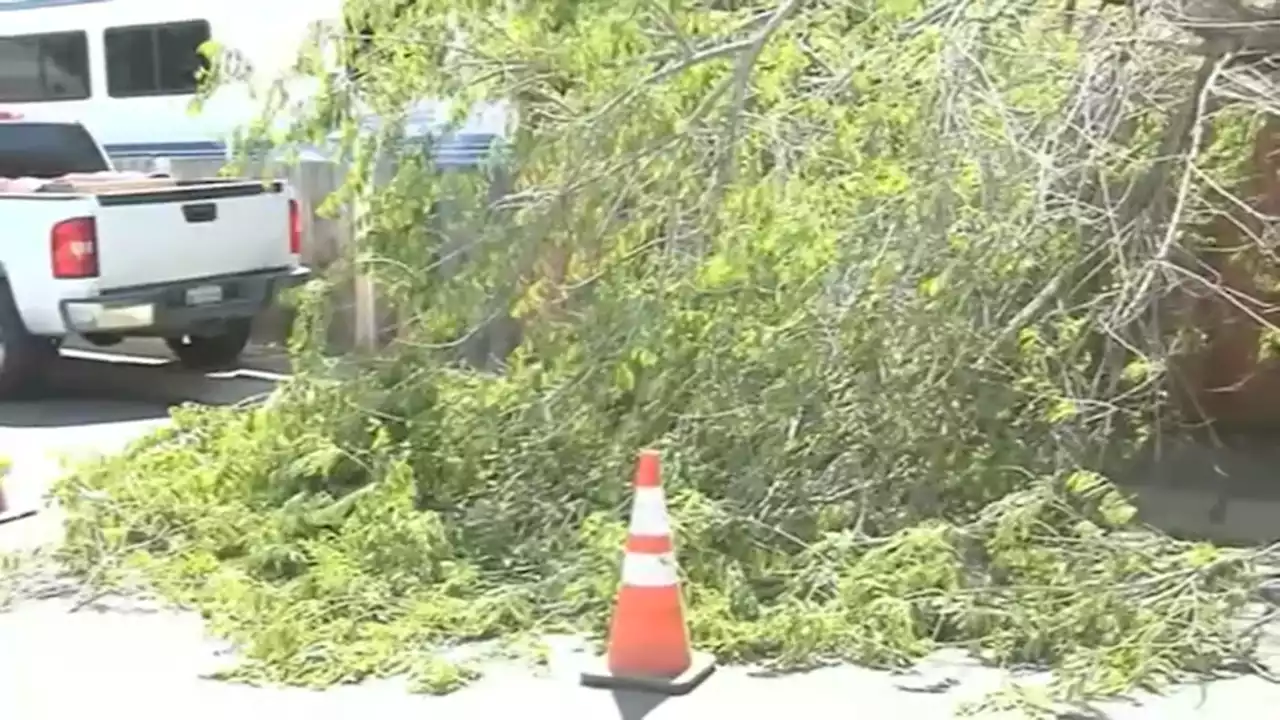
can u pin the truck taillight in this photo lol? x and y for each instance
(295, 228)
(73, 248)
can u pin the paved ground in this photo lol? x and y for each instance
(97, 403)
(127, 655)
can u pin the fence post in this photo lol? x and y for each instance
(365, 296)
(366, 315)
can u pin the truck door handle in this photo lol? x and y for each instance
(200, 212)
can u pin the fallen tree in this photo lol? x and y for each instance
(890, 288)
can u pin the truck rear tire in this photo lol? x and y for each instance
(24, 358)
(212, 351)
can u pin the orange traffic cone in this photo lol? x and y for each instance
(648, 639)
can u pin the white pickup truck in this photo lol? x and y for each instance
(190, 261)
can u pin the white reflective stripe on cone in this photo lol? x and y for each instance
(649, 513)
(644, 570)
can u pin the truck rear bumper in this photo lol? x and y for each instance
(179, 308)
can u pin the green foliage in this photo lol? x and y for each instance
(807, 251)
(300, 532)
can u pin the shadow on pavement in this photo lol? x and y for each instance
(1225, 488)
(98, 388)
(99, 376)
(70, 411)
(633, 705)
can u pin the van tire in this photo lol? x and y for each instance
(213, 351)
(24, 358)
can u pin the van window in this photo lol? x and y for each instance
(147, 60)
(44, 68)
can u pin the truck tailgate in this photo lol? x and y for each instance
(198, 229)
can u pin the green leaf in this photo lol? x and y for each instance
(1062, 409)
(930, 287)
(624, 378)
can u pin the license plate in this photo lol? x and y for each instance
(204, 295)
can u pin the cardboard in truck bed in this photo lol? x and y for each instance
(98, 183)
(90, 183)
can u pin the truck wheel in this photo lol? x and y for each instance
(212, 351)
(24, 357)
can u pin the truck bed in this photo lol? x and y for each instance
(158, 230)
(89, 250)
(118, 183)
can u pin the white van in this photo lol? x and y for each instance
(126, 70)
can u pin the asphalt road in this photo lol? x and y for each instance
(59, 659)
(97, 402)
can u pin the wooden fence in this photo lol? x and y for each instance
(1234, 379)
